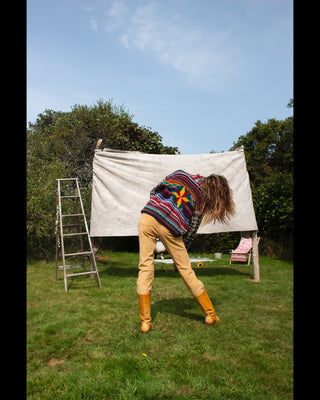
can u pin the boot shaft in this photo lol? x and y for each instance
(145, 312)
(207, 307)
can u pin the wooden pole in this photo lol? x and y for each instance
(255, 257)
(98, 144)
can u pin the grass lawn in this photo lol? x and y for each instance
(86, 343)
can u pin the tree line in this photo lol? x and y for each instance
(61, 144)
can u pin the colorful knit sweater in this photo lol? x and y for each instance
(176, 201)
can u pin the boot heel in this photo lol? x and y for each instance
(145, 328)
(211, 320)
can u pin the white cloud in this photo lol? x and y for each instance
(86, 8)
(204, 57)
(93, 24)
(124, 40)
(116, 16)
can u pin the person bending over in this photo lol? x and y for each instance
(176, 208)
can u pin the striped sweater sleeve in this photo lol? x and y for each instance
(193, 228)
(156, 189)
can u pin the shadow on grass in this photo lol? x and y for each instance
(204, 271)
(177, 306)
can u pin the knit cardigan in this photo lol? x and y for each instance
(176, 204)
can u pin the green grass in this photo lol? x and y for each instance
(86, 343)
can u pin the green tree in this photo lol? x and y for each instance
(62, 144)
(269, 156)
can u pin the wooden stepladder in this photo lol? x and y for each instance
(72, 234)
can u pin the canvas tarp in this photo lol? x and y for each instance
(122, 181)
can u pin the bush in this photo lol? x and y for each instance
(61, 145)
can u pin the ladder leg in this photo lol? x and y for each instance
(65, 279)
(57, 252)
(93, 267)
(57, 235)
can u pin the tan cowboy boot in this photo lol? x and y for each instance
(145, 312)
(207, 307)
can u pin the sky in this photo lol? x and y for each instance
(198, 72)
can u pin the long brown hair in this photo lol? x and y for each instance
(217, 204)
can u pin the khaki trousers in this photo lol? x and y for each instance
(149, 230)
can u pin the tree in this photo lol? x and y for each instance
(269, 155)
(71, 137)
(62, 144)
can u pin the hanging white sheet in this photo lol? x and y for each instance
(122, 181)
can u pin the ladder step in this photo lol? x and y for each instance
(69, 197)
(71, 215)
(82, 273)
(81, 253)
(75, 234)
(61, 267)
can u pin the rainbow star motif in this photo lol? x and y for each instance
(181, 197)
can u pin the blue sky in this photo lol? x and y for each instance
(199, 72)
